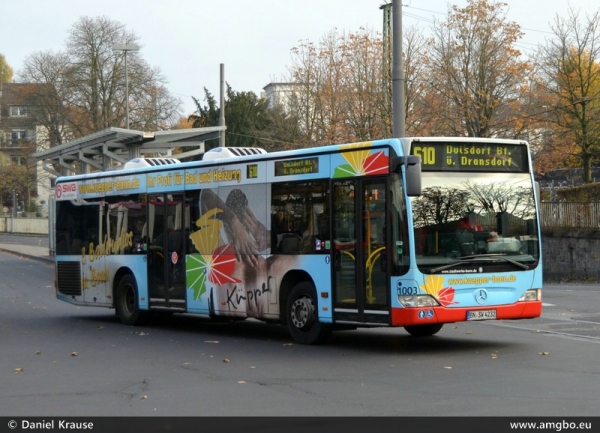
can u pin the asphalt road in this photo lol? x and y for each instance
(61, 359)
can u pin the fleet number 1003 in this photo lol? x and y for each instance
(407, 290)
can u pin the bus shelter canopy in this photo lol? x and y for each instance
(113, 147)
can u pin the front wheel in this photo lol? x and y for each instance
(127, 303)
(301, 315)
(424, 330)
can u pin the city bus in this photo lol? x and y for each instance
(410, 232)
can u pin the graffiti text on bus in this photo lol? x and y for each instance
(109, 246)
(252, 296)
(96, 277)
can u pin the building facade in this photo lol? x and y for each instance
(19, 135)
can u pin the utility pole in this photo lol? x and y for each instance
(398, 102)
(387, 53)
(14, 200)
(125, 49)
(222, 106)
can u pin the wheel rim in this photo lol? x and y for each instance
(129, 299)
(303, 313)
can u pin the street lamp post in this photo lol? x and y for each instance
(125, 49)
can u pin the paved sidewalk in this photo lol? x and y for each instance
(41, 253)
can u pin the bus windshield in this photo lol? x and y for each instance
(475, 222)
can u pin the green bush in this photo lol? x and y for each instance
(583, 193)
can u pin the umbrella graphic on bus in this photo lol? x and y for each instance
(362, 162)
(216, 269)
(214, 263)
(434, 285)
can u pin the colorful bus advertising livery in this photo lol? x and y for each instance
(336, 237)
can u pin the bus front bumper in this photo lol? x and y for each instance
(427, 315)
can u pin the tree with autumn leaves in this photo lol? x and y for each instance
(566, 95)
(467, 79)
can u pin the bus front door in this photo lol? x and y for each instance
(166, 261)
(360, 281)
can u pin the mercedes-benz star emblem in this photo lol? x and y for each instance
(481, 296)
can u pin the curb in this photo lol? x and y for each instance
(48, 260)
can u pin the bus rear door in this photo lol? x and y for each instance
(166, 261)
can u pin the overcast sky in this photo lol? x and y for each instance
(189, 39)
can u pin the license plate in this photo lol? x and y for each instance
(481, 315)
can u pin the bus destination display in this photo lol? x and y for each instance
(471, 157)
(296, 167)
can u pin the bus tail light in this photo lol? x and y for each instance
(531, 295)
(418, 301)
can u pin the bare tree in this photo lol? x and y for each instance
(48, 99)
(86, 84)
(498, 197)
(420, 118)
(441, 205)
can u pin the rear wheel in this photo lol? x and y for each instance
(301, 315)
(424, 330)
(128, 308)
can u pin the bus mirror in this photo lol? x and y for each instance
(397, 163)
(413, 176)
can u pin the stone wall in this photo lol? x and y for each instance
(571, 254)
(32, 226)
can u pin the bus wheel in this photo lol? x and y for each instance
(128, 308)
(301, 315)
(423, 330)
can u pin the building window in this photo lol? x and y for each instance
(18, 111)
(18, 160)
(16, 136)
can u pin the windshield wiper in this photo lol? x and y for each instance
(503, 257)
(451, 265)
(473, 257)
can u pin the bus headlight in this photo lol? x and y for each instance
(418, 301)
(531, 295)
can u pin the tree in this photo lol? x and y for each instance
(17, 178)
(568, 90)
(502, 197)
(420, 118)
(6, 72)
(441, 205)
(85, 84)
(475, 71)
(340, 88)
(249, 119)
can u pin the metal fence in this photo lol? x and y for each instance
(570, 214)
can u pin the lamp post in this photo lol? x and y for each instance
(125, 49)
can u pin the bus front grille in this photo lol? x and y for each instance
(69, 278)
